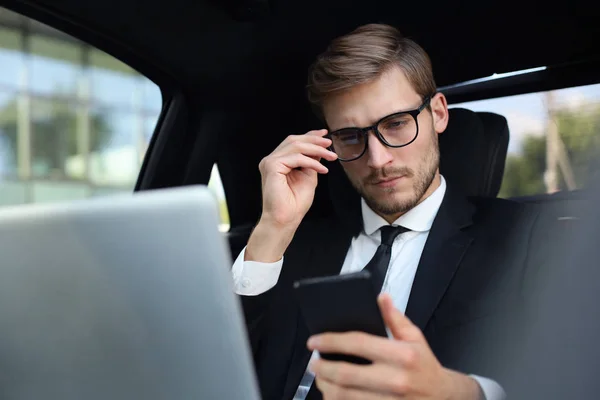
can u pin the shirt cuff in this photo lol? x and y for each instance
(251, 278)
(491, 390)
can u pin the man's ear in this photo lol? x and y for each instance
(439, 111)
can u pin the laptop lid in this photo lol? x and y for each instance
(126, 297)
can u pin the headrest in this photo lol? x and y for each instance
(473, 151)
(472, 155)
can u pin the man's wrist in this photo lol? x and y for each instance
(268, 242)
(463, 387)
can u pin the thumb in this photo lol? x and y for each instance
(399, 325)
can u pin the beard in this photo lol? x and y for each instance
(422, 179)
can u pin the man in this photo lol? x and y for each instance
(453, 263)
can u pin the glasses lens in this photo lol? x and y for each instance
(399, 129)
(348, 143)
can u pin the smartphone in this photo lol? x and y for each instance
(340, 303)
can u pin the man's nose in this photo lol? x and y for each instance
(378, 154)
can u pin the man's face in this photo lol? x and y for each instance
(391, 180)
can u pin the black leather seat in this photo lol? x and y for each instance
(473, 151)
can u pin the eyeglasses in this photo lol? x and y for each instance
(395, 130)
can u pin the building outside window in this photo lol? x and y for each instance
(74, 121)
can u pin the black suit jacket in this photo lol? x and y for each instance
(472, 276)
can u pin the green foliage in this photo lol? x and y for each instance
(580, 131)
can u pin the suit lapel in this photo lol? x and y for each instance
(445, 247)
(329, 252)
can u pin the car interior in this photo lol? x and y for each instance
(232, 77)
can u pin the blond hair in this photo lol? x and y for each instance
(364, 55)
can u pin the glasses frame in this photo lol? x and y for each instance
(365, 131)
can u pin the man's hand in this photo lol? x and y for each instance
(289, 176)
(404, 367)
(289, 179)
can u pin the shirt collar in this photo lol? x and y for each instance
(419, 218)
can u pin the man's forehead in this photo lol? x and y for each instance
(366, 104)
(367, 113)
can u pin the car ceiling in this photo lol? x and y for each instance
(210, 44)
(242, 65)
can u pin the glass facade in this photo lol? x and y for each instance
(74, 121)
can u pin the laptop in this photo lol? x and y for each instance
(124, 297)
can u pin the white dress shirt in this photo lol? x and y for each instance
(254, 278)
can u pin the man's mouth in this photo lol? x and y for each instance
(388, 181)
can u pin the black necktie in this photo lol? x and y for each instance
(378, 267)
(379, 264)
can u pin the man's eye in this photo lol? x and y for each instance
(395, 124)
(350, 139)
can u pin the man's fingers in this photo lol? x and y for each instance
(318, 132)
(311, 144)
(374, 348)
(400, 326)
(382, 378)
(309, 149)
(314, 138)
(293, 161)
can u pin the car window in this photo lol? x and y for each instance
(216, 186)
(74, 121)
(566, 122)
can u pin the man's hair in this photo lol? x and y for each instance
(363, 56)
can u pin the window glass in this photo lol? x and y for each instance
(114, 158)
(13, 192)
(8, 134)
(74, 121)
(112, 82)
(54, 137)
(151, 97)
(216, 187)
(11, 59)
(566, 122)
(54, 66)
(46, 192)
